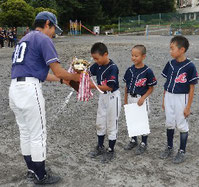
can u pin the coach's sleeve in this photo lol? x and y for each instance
(151, 80)
(165, 70)
(49, 52)
(193, 75)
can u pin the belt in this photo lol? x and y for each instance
(106, 92)
(20, 79)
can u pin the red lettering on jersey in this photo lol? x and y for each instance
(104, 82)
(112, 78)
(141, 82)
(154, 79)
(181, 78)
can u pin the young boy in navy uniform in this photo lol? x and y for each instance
(139, 80)
(181, 77)
(109, 104)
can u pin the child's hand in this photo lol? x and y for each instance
(186, 112)
(125, 101)
(163, 107)
(141, 101)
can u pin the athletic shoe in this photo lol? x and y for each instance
(130, 145)
(179, 158)
(166, 153)
(30, 175)
(48, 179)
(141, 149)
(97, 152)
(108, 156)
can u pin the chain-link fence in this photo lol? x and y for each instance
(162, 24)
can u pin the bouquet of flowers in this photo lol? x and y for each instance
(83, 87)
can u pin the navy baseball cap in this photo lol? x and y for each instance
(45, 15)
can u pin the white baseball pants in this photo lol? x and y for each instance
(109, 107)
(27, 102)
(174, 111)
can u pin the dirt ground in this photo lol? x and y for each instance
(71, 125)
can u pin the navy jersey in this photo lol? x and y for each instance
(179, 76)
(32, 56)
(138, 80)
(106, 74)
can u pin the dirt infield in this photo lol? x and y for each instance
(71, 125)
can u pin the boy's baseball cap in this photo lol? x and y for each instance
(45, 15)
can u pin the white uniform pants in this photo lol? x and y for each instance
(109, 106)
(27, 102)
(174, 111)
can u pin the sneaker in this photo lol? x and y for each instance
(108, 156)
(141, 149)
(166, 153)
(30, 175)
(97, 152)
(179, 158)
(130, 145)
(48, 179)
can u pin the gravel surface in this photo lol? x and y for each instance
(71, 124)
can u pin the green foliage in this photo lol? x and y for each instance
(90, 12)
(68, 9)
(42, 3)
(16, 13)
(41, 9)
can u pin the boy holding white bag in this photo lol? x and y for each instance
(139, 80)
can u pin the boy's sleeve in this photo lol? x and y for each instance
(93, 70)
(113, 77)
(151, 80)
(193, 75)
(165, 70)
(126, 76)
(49, 52)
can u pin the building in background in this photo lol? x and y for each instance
(187, 6)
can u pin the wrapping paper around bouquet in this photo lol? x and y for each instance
(84, 91)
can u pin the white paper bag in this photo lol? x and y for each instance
(136, 119)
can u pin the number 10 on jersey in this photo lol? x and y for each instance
(19, 53)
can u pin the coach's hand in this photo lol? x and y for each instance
(186, 112)
(140, 101)
(92, 86)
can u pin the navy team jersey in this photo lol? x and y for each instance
(138, 80)
(179, 76)
(106, 74)
(32, 56)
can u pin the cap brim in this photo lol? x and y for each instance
(58, 29)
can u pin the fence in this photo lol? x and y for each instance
(165, 24)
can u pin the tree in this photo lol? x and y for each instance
(42, 3)
(15, 13)
(91, 12)
(123, 8)
(41, 9)
(68, 9)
